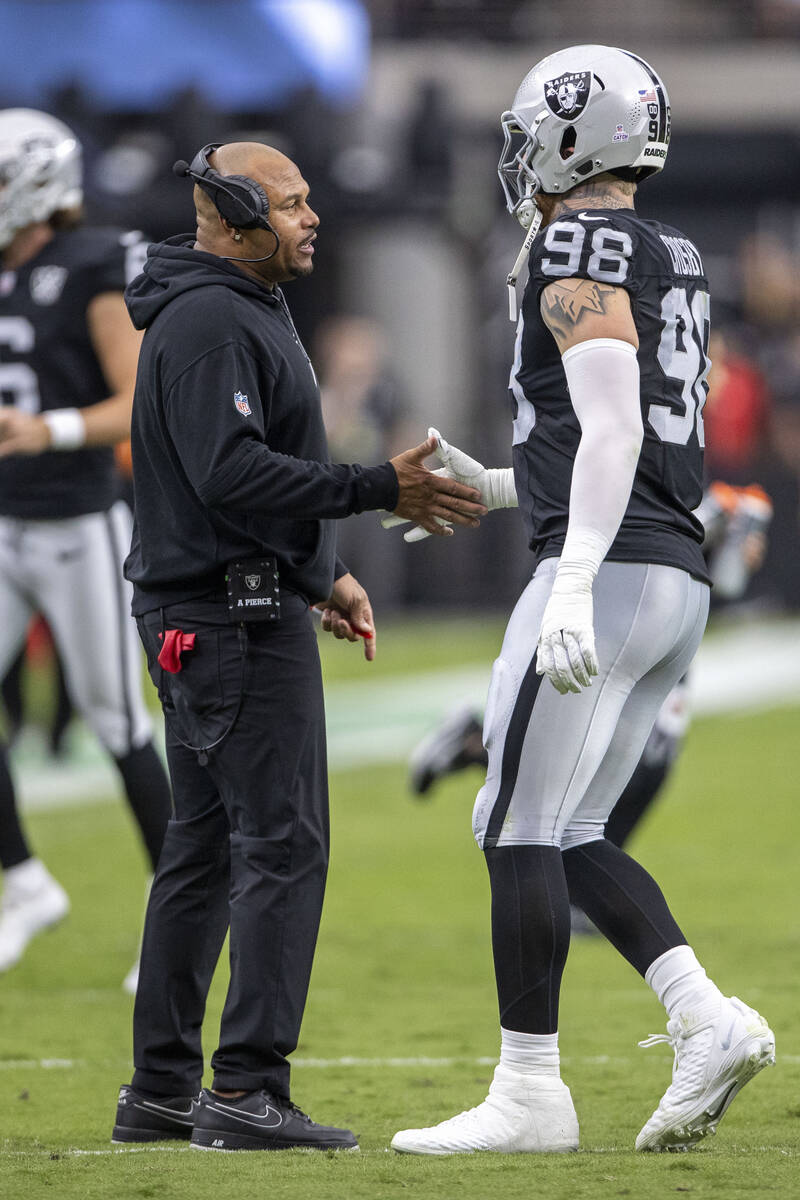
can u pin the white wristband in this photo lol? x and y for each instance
(67, 428)
(503, 492)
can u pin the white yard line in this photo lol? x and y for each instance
(349, 1061)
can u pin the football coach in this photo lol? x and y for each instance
(233, 543)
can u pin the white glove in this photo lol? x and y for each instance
(496, 484)
(566, 653)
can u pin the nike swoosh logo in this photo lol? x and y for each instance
(719, 1108)
(724, 1043)
(583, 217)
(172, 1114)
(261, 1120)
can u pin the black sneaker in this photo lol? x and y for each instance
(143, 1119)
(261, 1121)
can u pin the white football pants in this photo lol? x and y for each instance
(70, 571)
(558, 764)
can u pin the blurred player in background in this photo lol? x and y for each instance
(608, 385)
(40, 652)
(735, 521)
(68, 355)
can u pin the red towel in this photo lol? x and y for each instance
(175, 642)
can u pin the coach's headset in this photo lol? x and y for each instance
(237, 198)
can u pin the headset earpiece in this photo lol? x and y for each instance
(237, 198)
(244, 202)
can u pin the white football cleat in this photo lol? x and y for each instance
(131, 981)
(531, 1114)
(715, 1056)
(32, 901)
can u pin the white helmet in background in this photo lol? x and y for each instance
(40, 169)
(580, 112)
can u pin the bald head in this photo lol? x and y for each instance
(248, 158)
(264, 164)
(281, 251)
(254, 160)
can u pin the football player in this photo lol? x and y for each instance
(68, 355)
(608, 384)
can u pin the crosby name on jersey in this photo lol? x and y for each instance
(47, 361)
(663, 273)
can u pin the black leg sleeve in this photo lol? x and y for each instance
(530, 934)
(64, 711)
(644, 786)
(657, 761)
(624, 902)
(11, 691)
(13, 847)
(148, 793)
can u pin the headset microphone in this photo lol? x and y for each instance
(241, 201)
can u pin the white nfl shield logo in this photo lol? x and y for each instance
(253, 582)
(242, 406)
(47, 283)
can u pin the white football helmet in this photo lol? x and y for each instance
(580, 112)
(40, 169)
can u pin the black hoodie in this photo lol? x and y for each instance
(230, 458)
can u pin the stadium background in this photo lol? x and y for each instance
(391, 110)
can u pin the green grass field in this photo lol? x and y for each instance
(401, 1026)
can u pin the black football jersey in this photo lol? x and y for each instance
(47, 361)
(663, 273)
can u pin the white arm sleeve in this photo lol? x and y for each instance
(603, 380)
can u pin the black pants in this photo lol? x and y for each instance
(247, 848)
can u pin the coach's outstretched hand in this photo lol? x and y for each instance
(495, 484)
(428, 498)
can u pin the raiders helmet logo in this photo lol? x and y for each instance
(38, 143)
(253, 582)
(567, 95)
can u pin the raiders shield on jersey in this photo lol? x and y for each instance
(663, 273)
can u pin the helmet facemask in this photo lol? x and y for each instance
(518, 180)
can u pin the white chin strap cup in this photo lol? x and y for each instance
(535, 220)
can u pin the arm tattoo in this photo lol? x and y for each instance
(564, 303)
